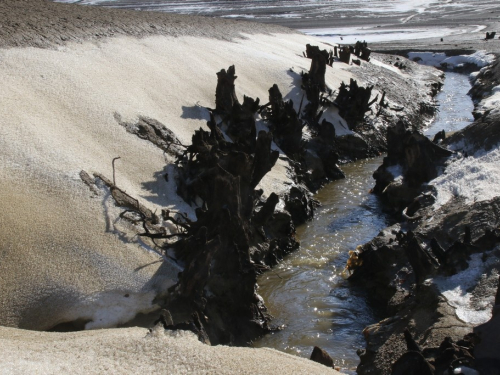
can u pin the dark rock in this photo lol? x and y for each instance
(321, 356)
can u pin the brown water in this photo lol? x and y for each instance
(307, 291)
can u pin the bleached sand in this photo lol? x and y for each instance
(134, 351)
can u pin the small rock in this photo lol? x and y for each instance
(320, 356)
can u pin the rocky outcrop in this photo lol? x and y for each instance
(398, 268)
(409, 268)
(475, 353)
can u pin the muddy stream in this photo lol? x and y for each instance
(308, 292)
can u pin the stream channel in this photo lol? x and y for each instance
(308, 292)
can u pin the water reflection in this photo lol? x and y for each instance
(307, 291)
(455, 107)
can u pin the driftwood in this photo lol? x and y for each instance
(362, 51)
(345, 55)
(353, 102)
(285, 123)
(155, 132)
(225, 95)
(490, 35)
(237, 233)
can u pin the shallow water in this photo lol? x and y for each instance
(455, 107)
(307, 292)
